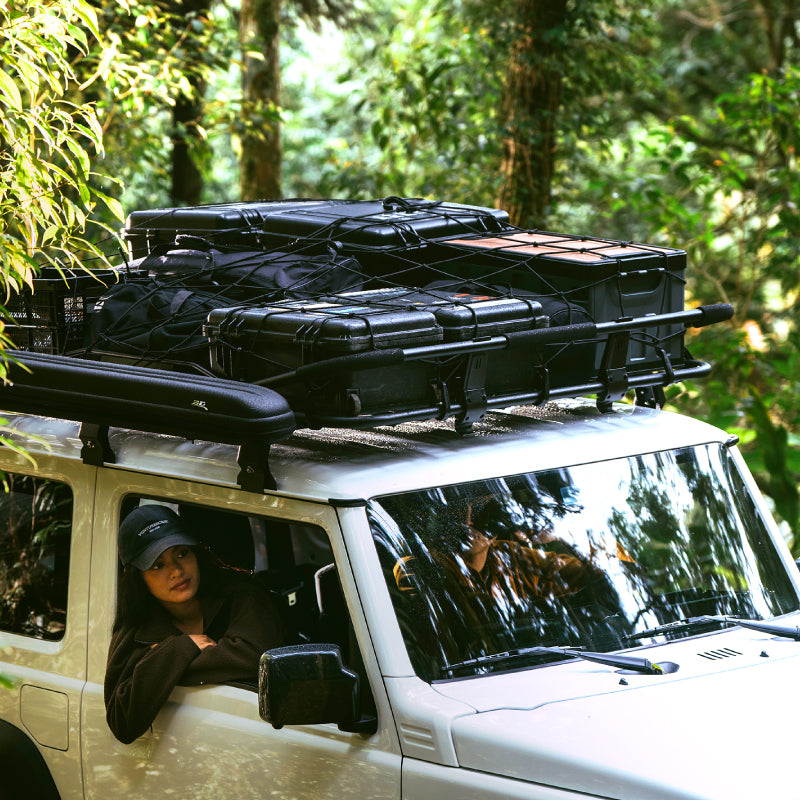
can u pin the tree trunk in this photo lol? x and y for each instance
(187, 179)
(260, 159)
(530, 109)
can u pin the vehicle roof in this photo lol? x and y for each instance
(344, 464)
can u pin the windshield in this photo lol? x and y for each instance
(588, 556)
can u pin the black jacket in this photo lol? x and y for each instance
(146, 663)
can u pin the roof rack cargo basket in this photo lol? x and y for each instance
(353, 313)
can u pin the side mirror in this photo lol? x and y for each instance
(307, 684)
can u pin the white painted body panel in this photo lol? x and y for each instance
(714, 729)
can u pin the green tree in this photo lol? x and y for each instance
(263, 25)
(49, 190)
(260, 140)
(158, 60)
(707, 162)
(675, 124)
(413, 111)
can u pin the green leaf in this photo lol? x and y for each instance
(86, 13)
(9, 91)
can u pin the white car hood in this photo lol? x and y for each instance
(722, 729)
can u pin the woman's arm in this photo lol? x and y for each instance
(252, 628)
(139, 679)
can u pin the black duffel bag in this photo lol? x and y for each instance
(153, 321)
(254, 274)
(159, 315)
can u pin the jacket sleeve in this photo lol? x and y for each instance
(252, 628)
(139, 679)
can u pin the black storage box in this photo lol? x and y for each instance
(356, 225)
(463, 316)
(260, 344)
(54, 317)
(381, 224)
(251, 344)
(225, 225)
(609, 279)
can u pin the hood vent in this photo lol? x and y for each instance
(716, 655)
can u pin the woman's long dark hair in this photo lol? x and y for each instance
(135, 604)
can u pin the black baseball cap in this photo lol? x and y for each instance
(147, 532)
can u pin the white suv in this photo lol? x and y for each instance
(572, 602)
(433, 697)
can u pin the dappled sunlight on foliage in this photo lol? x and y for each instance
(49, 138)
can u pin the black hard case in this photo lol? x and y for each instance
(371, 226)
(462, 315)
(251, 344)
(609, 279)
(257, 344)
(234, 226)
(378, 225)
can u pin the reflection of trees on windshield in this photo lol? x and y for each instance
(682, 520)
(582, 556)
(477, 570)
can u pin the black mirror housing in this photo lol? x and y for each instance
(307, 684)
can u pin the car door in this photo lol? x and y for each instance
(45, 527)
(209, 741)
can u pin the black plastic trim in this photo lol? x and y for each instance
(25, 773)
(141, 398)
(352, 503)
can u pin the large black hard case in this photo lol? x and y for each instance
(355, 226)
(608, 279)
(269, 344)
(462, 315)
(372, 226)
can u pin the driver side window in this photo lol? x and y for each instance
(292, 561)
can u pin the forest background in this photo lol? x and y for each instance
(672, 122)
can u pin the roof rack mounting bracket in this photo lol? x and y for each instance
(442, 394)
(613, 373)
(650, 397)
(475, 397)
(96, 449)
(255, 475)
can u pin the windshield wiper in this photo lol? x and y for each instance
(633, 663)
(696, 622)
(766, 627)
(677, 625)
(509, 655)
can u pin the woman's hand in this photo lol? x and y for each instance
(202, 641)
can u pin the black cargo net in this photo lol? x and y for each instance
(375, 311)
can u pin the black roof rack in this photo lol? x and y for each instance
(100, 395)
(614, 379)
(235, 325)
